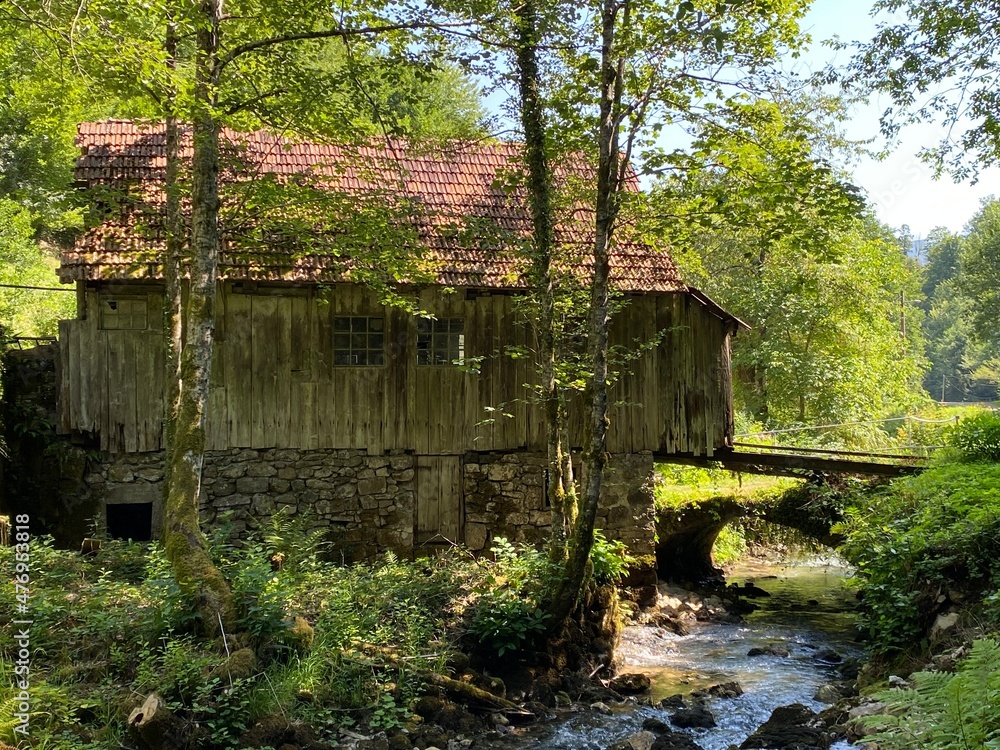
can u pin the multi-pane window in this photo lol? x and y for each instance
(440, 342)
(358, 341)
(123, 313)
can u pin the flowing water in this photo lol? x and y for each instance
(809, 610)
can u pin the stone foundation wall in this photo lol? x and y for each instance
(367, 502)
(505, 496)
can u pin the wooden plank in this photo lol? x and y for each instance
(217, 421)
(507, 385)
(683, 332)
(650, 381)
(113, 431)
(78, 376)
(327, 398)
(65, 398)
(130, 436)
(668, 387)
(535, 412)
(519, 328)
(485, 436)
(343, 420)
(439, 498)
(304, 400)
(394, 413)
(301, 346)
(281, 348)
(238, 364)
(264, 370)
(149, 366)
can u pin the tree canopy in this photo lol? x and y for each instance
(780, 237)
(939, 62)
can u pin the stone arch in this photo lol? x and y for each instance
(685, 536)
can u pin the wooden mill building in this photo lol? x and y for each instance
(326, 401)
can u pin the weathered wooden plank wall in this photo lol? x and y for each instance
(274, 383)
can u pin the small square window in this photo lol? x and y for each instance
(123, 313)
(440, 342)
(358, 341)
(130, 521)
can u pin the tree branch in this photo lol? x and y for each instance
(341, 32)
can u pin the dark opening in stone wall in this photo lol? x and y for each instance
(130, 521)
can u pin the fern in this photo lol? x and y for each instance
(945, 711)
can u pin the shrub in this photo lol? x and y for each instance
(977, 437)
(917, 537)
(508, 613)
(944, 711)
(610, 558)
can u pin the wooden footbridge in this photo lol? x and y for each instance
(785, 460)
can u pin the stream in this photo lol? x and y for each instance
(809, 610)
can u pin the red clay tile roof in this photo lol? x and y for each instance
(454, 205)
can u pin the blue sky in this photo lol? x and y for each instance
(901, 187)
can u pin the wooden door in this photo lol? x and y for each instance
(439, 499)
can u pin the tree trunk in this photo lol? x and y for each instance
(186, 547)
(173, 321)
(561, 493)
(567, 594)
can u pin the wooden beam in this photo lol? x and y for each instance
(783, 465)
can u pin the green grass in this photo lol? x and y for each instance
(678, 486)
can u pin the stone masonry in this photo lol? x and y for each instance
(505, 497)
(366, 501)
(369, 501)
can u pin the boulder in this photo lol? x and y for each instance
(673, 623)
(675, 741)
(631, 683)
(856, 729)
(656, 726)
(694, 717)
(828, 694)
(942, 624)
(774, 649)
(750, 590)
(829, 656)
(791, 727)
(726, 690)
(673, 702)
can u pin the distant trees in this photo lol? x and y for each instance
(780, 237)
(938, 60)
(961, 282)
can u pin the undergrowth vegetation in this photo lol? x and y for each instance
(332, 645)
(944, 710)
(930, 541)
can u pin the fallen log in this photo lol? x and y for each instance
(476, 698)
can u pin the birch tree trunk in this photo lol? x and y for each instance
(570, 585)
(186, 548)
